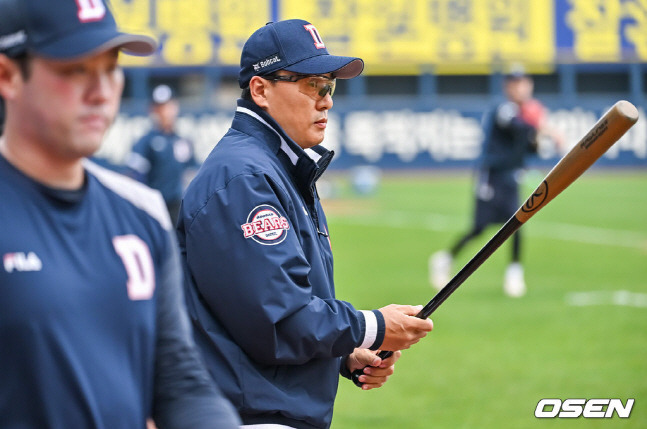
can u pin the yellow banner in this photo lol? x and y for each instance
(400, 36)
(195, 32)
(598, 31)
(396, 36)
(447, 36)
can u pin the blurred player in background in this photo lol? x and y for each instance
(162, 159)
(93, 332)
(258, 256)
(1, 115)
(511, 131)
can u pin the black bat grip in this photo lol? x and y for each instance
(384, 354)
(355, 375)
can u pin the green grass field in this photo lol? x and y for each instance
(491, 358)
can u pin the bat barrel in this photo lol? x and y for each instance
(608, 130)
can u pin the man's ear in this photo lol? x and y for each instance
(258, 88)
(9, 77)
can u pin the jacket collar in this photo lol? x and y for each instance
(306, 165)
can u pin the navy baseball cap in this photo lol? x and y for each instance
(293, 45)
(516, 72)
(515, 75)
(64, 29)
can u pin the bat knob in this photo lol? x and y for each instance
(355, 377)
(384, 354)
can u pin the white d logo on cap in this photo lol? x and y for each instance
(91, 10)
(319, 44)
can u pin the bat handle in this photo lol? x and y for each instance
(355, 375)
(426, 311)
(385, 354)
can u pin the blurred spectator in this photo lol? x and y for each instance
(511, 131)
(162, 159)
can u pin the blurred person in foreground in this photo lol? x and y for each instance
(257, 251)
(93, 332)
(161, 158)
(511, 131)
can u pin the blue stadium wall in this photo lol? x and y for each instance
(396, 138)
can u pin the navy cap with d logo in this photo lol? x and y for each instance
(64, 29)
(294, 45)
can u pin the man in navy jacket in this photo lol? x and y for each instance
(256, 245)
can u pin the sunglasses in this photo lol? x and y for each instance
(314, 86)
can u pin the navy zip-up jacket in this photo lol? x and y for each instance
(259, 269)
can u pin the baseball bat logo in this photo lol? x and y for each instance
(594, 134)
(536, 199)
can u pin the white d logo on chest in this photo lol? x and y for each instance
(138, 262)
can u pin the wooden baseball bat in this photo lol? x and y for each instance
(608, 130)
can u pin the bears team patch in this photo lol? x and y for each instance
(265, 225)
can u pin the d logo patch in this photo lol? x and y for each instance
(319, 44)
(91, 10)
(265, 225)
